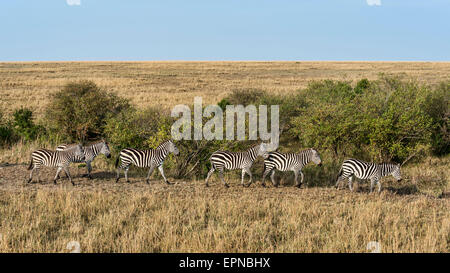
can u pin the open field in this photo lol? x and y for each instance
(187, 217)
(172, 83)
(411, 216)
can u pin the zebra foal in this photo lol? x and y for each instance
(90, 152)
(60, 159)
(289, 162)
(221, 160)
(367, 170)
(151, 158)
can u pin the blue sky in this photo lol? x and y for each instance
(46, 30)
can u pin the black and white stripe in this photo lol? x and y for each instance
(145, 159)
(90, 152)
(60, 159)
(221, 160)
(289, 162)
(366, 170)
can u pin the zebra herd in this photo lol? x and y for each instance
(220, 160)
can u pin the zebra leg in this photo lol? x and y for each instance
(89, 169)
(272, 178)
(372, 183)
(350, 180)
(118, 174)
(337, 182)
(209, 174)
(242, 177)
(31, 175)
(221, 177)
(150, 171)
(247, 170)
(379, 186)
(57, 174)
(301, 179)
(265, 173)
(66, 170)
(296, 179)
(250, 181)
(161, 170)
(126, 174)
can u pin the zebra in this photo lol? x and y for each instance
(221, 160)
(367, 170)
(60, 159)
(146, 158)
(90, 152)
(289, 162)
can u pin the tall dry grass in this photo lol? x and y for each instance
(190, 218)
(170, 83)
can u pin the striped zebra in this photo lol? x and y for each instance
(221, 160)
(90, 152)
(366, 170)
(146, 158)
(60, 159)
(289, 162)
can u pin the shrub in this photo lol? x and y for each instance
(24, 126)
(389, 120)
(79, 111)
(142, 129)
(6, 132)
(245, 96)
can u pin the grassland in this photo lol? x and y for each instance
(170, 83)
(412, 216)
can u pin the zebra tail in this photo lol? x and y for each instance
(340, 173)
(31, 164)
(117, 161)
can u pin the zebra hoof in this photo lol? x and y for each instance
(54, 181)
(207, 185)
(147, 181)
(263, 185)
(169, 183)
(28, 181)
(226, 186)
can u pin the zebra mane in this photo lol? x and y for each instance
(163, 144)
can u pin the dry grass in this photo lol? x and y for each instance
(107, 217)
(189, 218)
(171, 83)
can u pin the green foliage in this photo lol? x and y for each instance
(362, 86)
(328, 119)
(437, 107)
(144, 129)
(24, 126)
(387, 121)
(79, 111)
(6, 131)
(223, 104)
(245, 96)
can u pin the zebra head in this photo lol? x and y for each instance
(396, 173)
(172, 148)
(263, 149)
(315, 157)
(105, 149)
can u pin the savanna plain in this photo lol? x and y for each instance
(104, 216)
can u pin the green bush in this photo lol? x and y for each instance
(245, 96)
(23, 125)
(6, 131)
(79, 111)
(387, 121)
